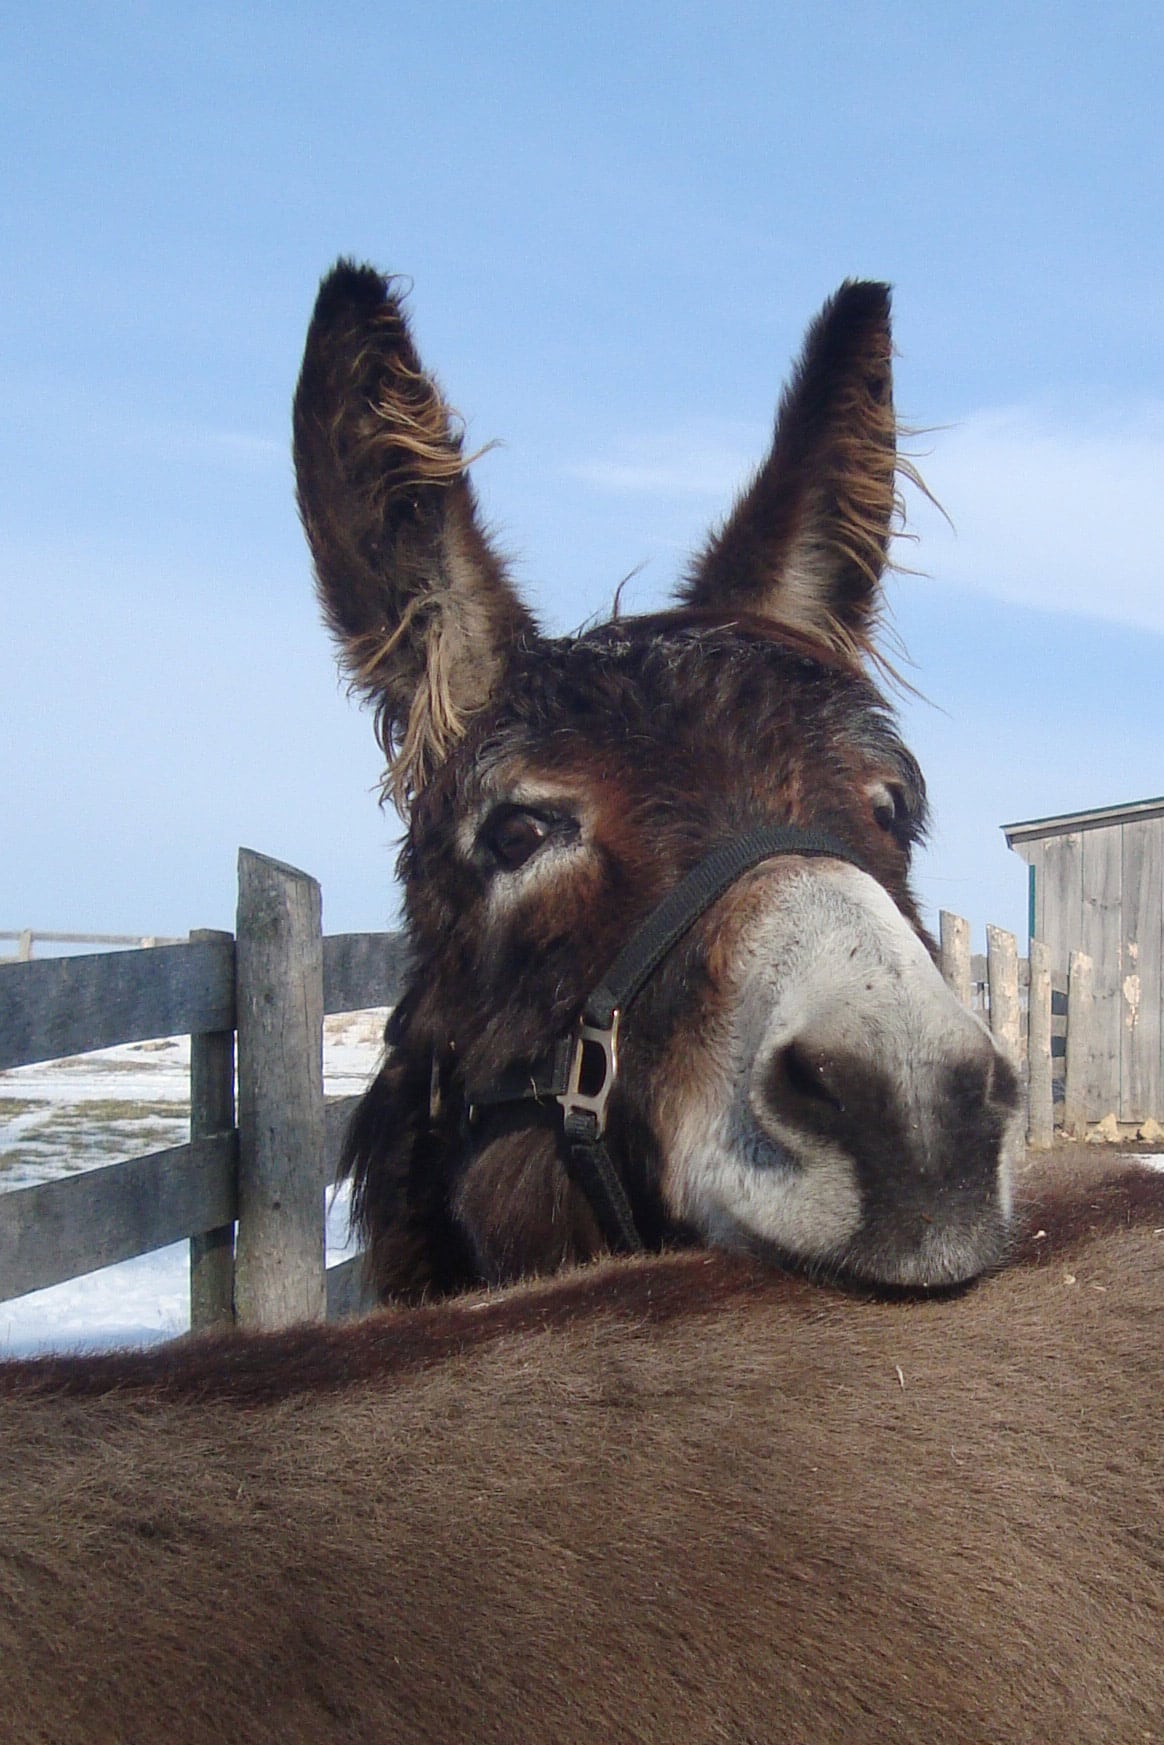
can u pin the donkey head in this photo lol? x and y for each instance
(792, 1075)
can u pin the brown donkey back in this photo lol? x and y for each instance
(673, 1499)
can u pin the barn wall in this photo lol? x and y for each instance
(1058, 864)
(1101, 939)
(1142, 971)
(1101, 890)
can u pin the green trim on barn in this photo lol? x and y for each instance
(1031, 875)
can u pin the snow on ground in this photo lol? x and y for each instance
(63, 1116)
(139, 1302)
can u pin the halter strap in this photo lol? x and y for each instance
(565, 1074)
(682, 907)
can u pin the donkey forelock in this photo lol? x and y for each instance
(795, 1078)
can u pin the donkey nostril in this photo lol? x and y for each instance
(806, 1074)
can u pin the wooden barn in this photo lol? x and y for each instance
(1097, 886)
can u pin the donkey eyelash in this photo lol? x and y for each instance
(892, 814)
(888, 805)
(512, 835)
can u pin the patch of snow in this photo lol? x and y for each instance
(62, 1116)
(138, 1302)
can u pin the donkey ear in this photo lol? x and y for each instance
(806, 544)
(416, 597)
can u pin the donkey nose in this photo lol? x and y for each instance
(825, 1083)
(897, 1114)
(836, 1077)
(806, 1081)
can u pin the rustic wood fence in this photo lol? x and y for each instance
(1045, 1020)
(28, 937)
(248, 1190)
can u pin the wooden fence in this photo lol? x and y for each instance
(27, 937)
(248, 1192)
(1044, 1020)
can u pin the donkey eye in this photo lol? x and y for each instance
(511, 836)
(889, 809)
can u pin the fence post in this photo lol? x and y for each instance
(1040, 1106)
(279, 1252)
(1002, 980)
(954, 954)
(1079, 1041)
(211, 1111)
(24, 946)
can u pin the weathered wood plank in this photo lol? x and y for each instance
(1040, 1088)
(212, 1111)
(1141, 993)
(980, 970)
(57, 1230)
(1059, 897)
(70, 1005)
(954, 954)
(279, 1248)
(97, 1202)
(1002, 976)
(1100, 939)
(1079, 1096)
(362, 970)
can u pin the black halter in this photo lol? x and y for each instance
(579, 1071)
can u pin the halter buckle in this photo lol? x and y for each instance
(595, 1050)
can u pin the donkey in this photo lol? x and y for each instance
(669, 982)
(680, 1498)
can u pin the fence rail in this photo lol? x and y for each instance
(1044, 1018)
(249, 1195)
(248, 1192)
(27, 937)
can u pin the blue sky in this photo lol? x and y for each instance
(618, 221)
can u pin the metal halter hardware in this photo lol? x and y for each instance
(559, 1075)
(574, 1100)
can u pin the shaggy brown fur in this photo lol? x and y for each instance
(666, 1500)
(821, 507)
(626, 753)
(427, 650)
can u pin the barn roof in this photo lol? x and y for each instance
(1033, 828)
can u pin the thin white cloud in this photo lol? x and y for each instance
(705, 459)
(238, 446)
(173, 440)
(117, 432)
(1046, 513)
